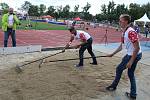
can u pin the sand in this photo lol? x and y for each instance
(56, 80)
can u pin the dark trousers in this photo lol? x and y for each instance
(11, 32)
(146, 34)
(131, 70)
(87, 46)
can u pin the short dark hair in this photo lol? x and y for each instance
(71, 29)
(126, 17)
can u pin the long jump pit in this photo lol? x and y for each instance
(58, 80)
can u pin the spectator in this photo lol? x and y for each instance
(146, 30)
(9, 23)
(137, 28)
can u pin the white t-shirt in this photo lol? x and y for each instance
(10, 20)
(129, 37)
(82, 35)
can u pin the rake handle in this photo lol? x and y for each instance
(40, 59)
(74, 59)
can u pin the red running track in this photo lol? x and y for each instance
(56, 38)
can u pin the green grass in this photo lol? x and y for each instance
(39, 26)
(0, 23)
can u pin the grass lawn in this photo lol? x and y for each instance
(39, 26)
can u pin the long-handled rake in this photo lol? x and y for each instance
(73, 59)
(20, 67)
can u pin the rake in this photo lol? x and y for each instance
(20, 67)
(73, 59)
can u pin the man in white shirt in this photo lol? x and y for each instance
(9, 23)
(131, 41)
(86, 43)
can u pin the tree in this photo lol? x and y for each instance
(42, 8)
(59, 11)
(135, 11)
(76, 8)
(120, 9)
(110, 11)
(146, 9)
(87, 7)
(86, 15)
(111, 7)
(56, 15)
(33, 10)
(103, 15)
(104, 9)
(65, 11)
(26, 6)
(4, 6)
(5, 11)
(75, 13)
(51, 11)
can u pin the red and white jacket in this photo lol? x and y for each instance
(128, 38)
(82, 36)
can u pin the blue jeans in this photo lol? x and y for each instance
(6, 37)
(120, 69)
(87, 46)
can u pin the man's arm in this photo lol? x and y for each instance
(82, 43)
(133, 36)
(136, 50)
(69, 43)
(134, 55)
(78, 46)
(116, 51)
(4, 21)
(16, 20)
(71, 38)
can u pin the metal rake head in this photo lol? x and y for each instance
(40, 64)
(18, 69)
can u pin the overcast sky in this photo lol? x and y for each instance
(95, 4)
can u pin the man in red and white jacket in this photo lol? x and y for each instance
(86, 43)
(130, 40)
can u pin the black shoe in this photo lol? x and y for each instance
(111, 88)
(130, 96)
(93, 63)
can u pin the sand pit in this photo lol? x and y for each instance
(57, 80)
